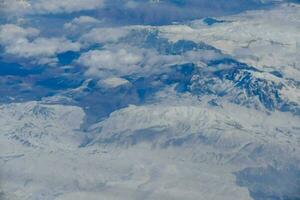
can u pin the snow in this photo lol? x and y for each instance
(41, 126)
(267, 39)
(174, 144)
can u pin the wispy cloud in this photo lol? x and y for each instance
(134, 11)
(21, 7)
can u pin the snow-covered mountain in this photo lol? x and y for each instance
(35, 125)
(205, 109)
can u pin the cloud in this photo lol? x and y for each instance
(167, 11)
(104, 35)
(65, 6)
(10, 33)
(42, 47)
(14, 7)
(103, 62)
(26, 43)
(134, 11)
(18, 7)
(121, 60)
(80, 21)
(117, 60)
(113, 82)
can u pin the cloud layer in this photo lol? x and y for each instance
(134, 11)
(26, 43)
(21, 7)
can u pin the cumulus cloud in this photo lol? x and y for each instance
(42, 47)
(14, 7)
(10, 33)
(26, 43)
(101, 62)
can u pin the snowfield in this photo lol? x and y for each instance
(202, 110)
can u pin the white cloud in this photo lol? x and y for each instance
(14, 7)
(134, 11)
(65, 6)
(102, 35)
(78, 22)
(17, 7)
(26, 43)
(10, 33)
(168, 11)
(113, 82)
(42, 47)
(119, 61)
